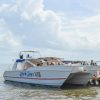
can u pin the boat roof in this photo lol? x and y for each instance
(52, 58)
(25, 52)
(29, 51)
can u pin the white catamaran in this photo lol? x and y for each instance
(45, 71)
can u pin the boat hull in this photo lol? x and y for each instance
(82, 78)
(78, 78)
(53, 77)
(49, 75)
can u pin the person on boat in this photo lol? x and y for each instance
(94, 79)
(21, 56)
(28, 56)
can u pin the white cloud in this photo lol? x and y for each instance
(6, 37)
(82, 34)
(9, 39)
(7, 8)
(27, 22)
(44, 25)
(36, 25)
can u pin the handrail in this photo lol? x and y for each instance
(31, 63)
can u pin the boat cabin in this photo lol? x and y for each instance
(27, 60)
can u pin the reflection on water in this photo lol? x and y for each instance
(19, 91)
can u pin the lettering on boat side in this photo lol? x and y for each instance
(30, 74)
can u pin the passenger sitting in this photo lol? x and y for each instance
(59, 63)
(38, 64)
(52, 63)
(47, 63)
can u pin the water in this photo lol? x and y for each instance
(18, 91)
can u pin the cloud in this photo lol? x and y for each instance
(82, 34)
(37, 25)
(32, 24)
(33, 8)
(9, 39)
(6, 8)
(27, 23)
(6, 37)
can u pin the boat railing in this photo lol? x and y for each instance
(30, 63)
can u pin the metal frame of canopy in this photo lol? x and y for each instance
(21, 52)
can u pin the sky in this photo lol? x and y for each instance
(67, 29)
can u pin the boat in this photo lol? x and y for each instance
(44, 71)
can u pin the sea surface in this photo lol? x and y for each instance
(19, 91)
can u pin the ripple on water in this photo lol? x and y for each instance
(18, 91)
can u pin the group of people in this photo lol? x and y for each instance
(21, 56)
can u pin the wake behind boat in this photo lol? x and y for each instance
(44, 71)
